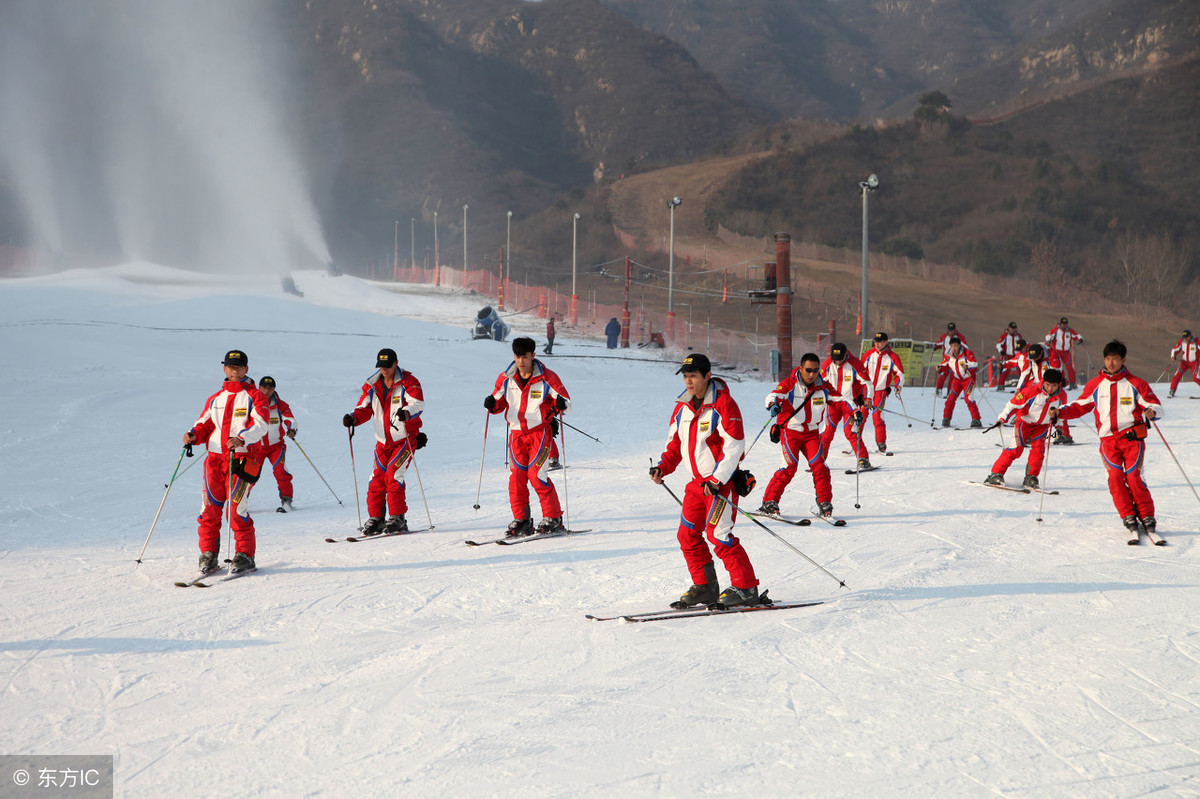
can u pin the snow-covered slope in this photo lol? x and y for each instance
(977, 653)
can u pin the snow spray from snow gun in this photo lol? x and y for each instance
(187, 450)
(781, 539)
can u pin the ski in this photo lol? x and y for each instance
(776, 518)
(889, 453)
(1156, 539)
(836, 522)
(1018, 489)
(196, 580)
(1136, 539)
(355, 539)
(509, 540)
(1041, 491)
(715, 611)
(232, 576)
(863, 471)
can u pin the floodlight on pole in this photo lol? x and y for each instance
(672, 204)
(866, 187)
(574, 254)
(464, 237)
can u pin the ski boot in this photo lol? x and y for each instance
(864, 464)
(519, 527)
(374, 526)
(286, 503)
(1131, 523)
(1150, 523)
(208, 562)
(395, 525)
(994, 479)
(825, 509)
(734, 596)
(769, 507)
(883, 447)
(945, 421)
(551, 526)
(705, 593)
(1171, 395)
(553, 465)
(976, 423)
(241, 563)
(1031, 481)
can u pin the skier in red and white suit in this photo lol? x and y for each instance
(1123, 406)
(1187, 352)
(528, 394)
(232, 425)
(849, 391)
(1008, 345)
(943, 344)
(1033, 366)
(392, 398)
(706, 434)
(885, 373)
(798, 404)
(1031, 429)
(281, 424)
(1060, 342)
(961, 364)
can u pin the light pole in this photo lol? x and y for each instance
(574, 253)
(437, 252)
(866, 187)
(464, 237)
(412, 238)
(672, 204)
(506, 267)
(396, 252)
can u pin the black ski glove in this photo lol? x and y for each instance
(858, 418)
(775, 434)
(402, 415)
(348, 421)
(489, 402)
(560, 403)
(553, 427)
(422, 440)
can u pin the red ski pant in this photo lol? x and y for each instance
(277, 455)
(1123, 460)
(386, 489)
(797, 445)
(877, 417)
(212, 509)
(1025, 435)
(843, 413)
(527, 454)
(964, 386)
(1064, 361)
(1184, 366)
(709, 520)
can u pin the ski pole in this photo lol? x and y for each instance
(858, 464)
(354, 472)
(562, 445)
(757, 437)
(933, 410)
(422, 488)
(187, 450)
(784, 541)
(229, 500)
(905, 414)
(1045, 471)
(478, 490)
(1177, 463)
(562, 421)
(1165, 370)
(318, 471)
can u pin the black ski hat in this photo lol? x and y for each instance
(695, 363)
(881, 336)
(1063, 321)
(266, 380)
(838, 352)
(1037, 351)
(386, 357)
(951, 326)
(235, 358)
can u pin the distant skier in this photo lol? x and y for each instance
(1008, 345)
(886, 374)
(1123, 406)
(706, 434)
(613, 332)
(798, 405)
(1032, 408)
(232, 425)
(943, 344)
(849, 392)
(549, 348)
(1060, 344)
(1187, 352)
(393, 398)
(962, 367)
(528, 394)
(281, 424)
